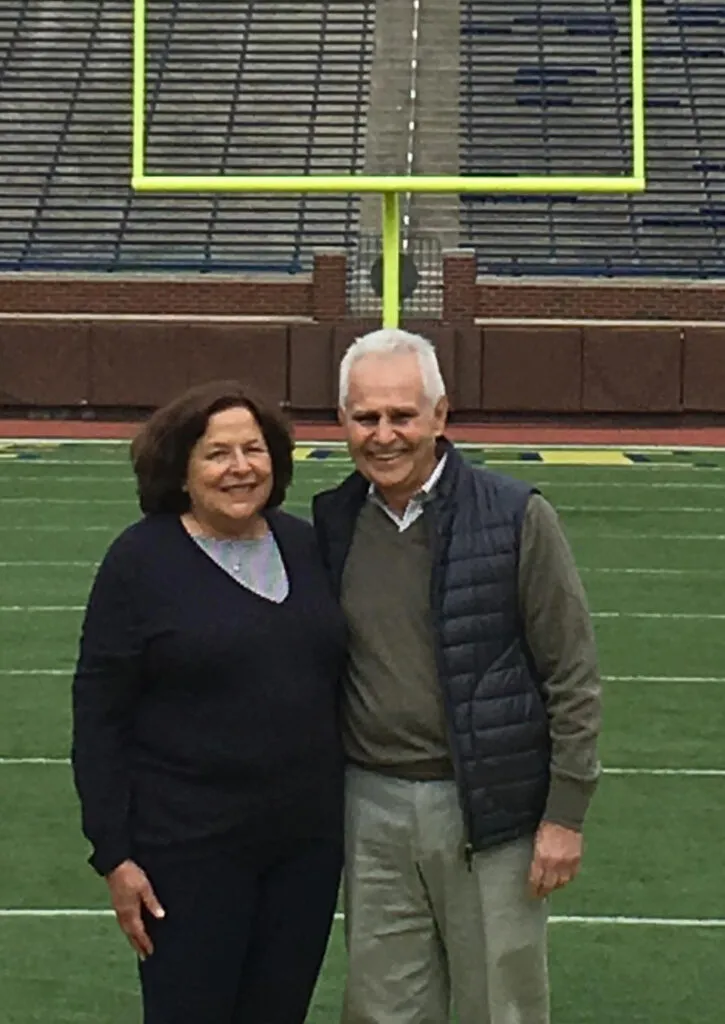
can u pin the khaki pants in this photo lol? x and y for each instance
(422, 929)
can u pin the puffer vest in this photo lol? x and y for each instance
(497, 721)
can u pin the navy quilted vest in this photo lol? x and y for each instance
(496, 714)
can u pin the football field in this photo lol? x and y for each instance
(638, 938)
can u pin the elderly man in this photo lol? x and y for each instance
(471, 710)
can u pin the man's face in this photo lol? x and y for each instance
(391, 425)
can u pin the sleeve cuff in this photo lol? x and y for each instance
(106, 857)
(568, 801)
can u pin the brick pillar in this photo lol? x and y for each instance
(329, 285)
(459, 286)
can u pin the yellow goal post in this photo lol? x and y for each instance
(390, 187)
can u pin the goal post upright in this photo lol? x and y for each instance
(390, 187)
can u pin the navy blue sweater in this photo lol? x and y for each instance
(200, 708)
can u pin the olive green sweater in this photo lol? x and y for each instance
(393, 715)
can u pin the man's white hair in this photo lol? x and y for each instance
(392, 341)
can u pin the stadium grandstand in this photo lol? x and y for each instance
(505, 86)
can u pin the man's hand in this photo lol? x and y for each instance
(130, 892)
(557, 856)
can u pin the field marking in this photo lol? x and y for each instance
(650, 485)
(516, 446)
(42, 608)
(60, 528)
(689, 485)
(46, 565)
(130, 500)
(605, 679)
(36, 671)
(663, 679)
(571, 529)
(15, 761)
(581, 919)
(655, 510)
(90, 479)
(128, 479)
(694, 773)
(66, 501)
(32, 608)
(657, 772)
(641, 571)
(688, 616)
(15, 462)
(22, 563)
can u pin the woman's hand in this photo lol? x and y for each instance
(130, 892)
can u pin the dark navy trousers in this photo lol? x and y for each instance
(245, 931)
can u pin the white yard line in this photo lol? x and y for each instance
(59, 528)
(642, 571)
(695, 773)
(649, 509)
(127, 480)
(572, 530)
(32, 608)
(652, 922)
(607, 679)
(661, 772)
(514, 446)
(43, 608)
(21, 564)
(664, 485)
(343, 460)
(49, 478)
(581, 919)
(694, 616)
(653, 510)
(663, 679)
(62, 462)
(67, 501)
(36, 671)
(690, 485)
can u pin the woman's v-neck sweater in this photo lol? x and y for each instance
(201, 708)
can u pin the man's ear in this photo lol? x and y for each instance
(441, 414)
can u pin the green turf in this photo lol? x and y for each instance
(653, 842)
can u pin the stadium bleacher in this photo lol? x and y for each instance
(545, 90)
(264, 88)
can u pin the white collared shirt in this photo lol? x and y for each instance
(414, 508)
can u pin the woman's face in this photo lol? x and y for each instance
(229, 476)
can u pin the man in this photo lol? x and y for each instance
(471, 709)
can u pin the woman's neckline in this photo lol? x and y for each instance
(195, 530)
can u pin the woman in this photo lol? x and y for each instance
(205, 751)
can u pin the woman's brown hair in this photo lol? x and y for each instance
(160, 451)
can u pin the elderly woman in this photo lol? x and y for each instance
(205, 750)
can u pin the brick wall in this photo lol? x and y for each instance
(322, 295)
(460, 297)
(268, 296)
(563, 300)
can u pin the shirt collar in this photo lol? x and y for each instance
(425, 491)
